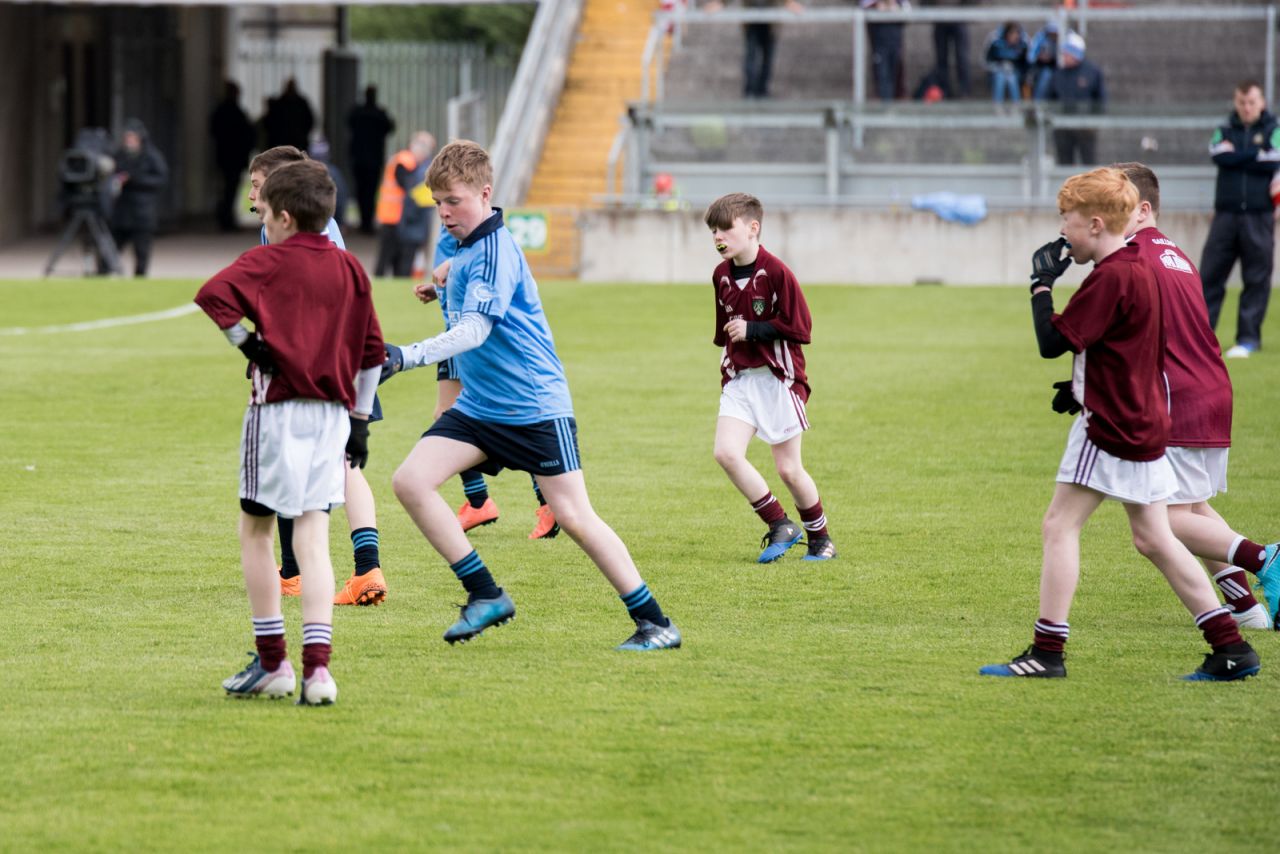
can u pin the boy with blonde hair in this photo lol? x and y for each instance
(315, 330)
(1116, 448)
(761, 322)
(513, 411)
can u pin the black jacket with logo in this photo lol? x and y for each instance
(1245, 173)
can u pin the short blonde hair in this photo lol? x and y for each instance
(460, 162)
(1105, 193)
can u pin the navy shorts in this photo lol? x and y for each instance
(547, 447)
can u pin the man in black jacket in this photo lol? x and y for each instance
(141, 172)
(1247, 152)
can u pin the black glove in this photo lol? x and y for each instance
(394, 363)
(1047, 264)
(1064, 402)
(255, 350)
(358, 443)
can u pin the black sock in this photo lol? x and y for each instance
(475, 578)
(474, 488)
(642, 605)
(537, 492)
(288, 563)
(364, 543)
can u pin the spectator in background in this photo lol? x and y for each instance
(288, 120)
(370, 125)
(886, 46)
(320, 153)
(141, 172)
(404, 207)
(951, 41)
(233, 140)
(1042, 57)
(760, 38)
(1007, 61)
(1078, 88)
(1246, 151)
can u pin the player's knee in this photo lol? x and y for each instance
(405, 485)
(1148, 546)
(728, 458)
(791, 472)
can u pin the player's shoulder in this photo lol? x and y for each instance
(772, 264)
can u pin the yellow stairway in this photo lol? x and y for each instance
(603, 75)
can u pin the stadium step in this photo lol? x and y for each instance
(604, 74)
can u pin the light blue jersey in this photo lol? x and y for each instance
(332, 230)
(515, 376)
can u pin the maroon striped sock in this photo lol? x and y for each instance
(769, 509)
(271, 651)
(1050, 636)
(1218, 628)
(814, 520)
(314, 655)
(1247, 554)
(1234, 585)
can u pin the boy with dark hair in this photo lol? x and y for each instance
(1116, 448)
(761, 322)
(514, 409)
(315, 330)
(1200, 418)
(367, 585)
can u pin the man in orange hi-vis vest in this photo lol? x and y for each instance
(404, 207)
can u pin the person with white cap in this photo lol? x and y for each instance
(1078, 88)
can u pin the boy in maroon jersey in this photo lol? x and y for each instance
(1116, 448)
(761, 322)
(315, 331)
(1200, 416)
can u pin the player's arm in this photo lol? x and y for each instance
(471, 330)
(1047, 264)
(228, 298)
(792, 322)
(357, 449)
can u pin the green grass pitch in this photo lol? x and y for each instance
(829, 707)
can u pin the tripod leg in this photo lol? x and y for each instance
(105, 243)
(68, 235)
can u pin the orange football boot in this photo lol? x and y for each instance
(474, 517)
(546, 528)
(367, 589)
(290, 586)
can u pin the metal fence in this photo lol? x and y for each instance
(415, 81)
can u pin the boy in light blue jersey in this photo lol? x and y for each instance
(478, 508)
(514, 410)
(367, 585)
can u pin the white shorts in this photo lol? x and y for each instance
(293, 455)
(759, 398)
(1201, 473)
(1085, 464)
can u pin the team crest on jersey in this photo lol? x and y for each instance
(757, 305)
(1174, 261)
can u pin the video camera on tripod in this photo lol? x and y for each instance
(84, 174)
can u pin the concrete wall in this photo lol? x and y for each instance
(842, 246)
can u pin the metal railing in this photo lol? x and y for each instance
(522, 129)
(838, 177)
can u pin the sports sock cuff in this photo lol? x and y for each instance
(363, 538)
(267, 626)
(1231, 552)
(317, 633)
(468, 565)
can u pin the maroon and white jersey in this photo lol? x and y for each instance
(312, 304)
(1199, 385)
(1114, 326)
(770, 295)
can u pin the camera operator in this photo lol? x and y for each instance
(141, 172)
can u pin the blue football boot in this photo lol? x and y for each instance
(1227, 666)
(480, 615)
(652, 636)
(782, 536)
(1028, 665)
(1269, 580)
(257, 681)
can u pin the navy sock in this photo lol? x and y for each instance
(364, 542)
(288, 563)
(641, 605)
(474, 488)
(475, 577)
(537, 492)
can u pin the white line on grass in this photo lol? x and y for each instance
(105, 323)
